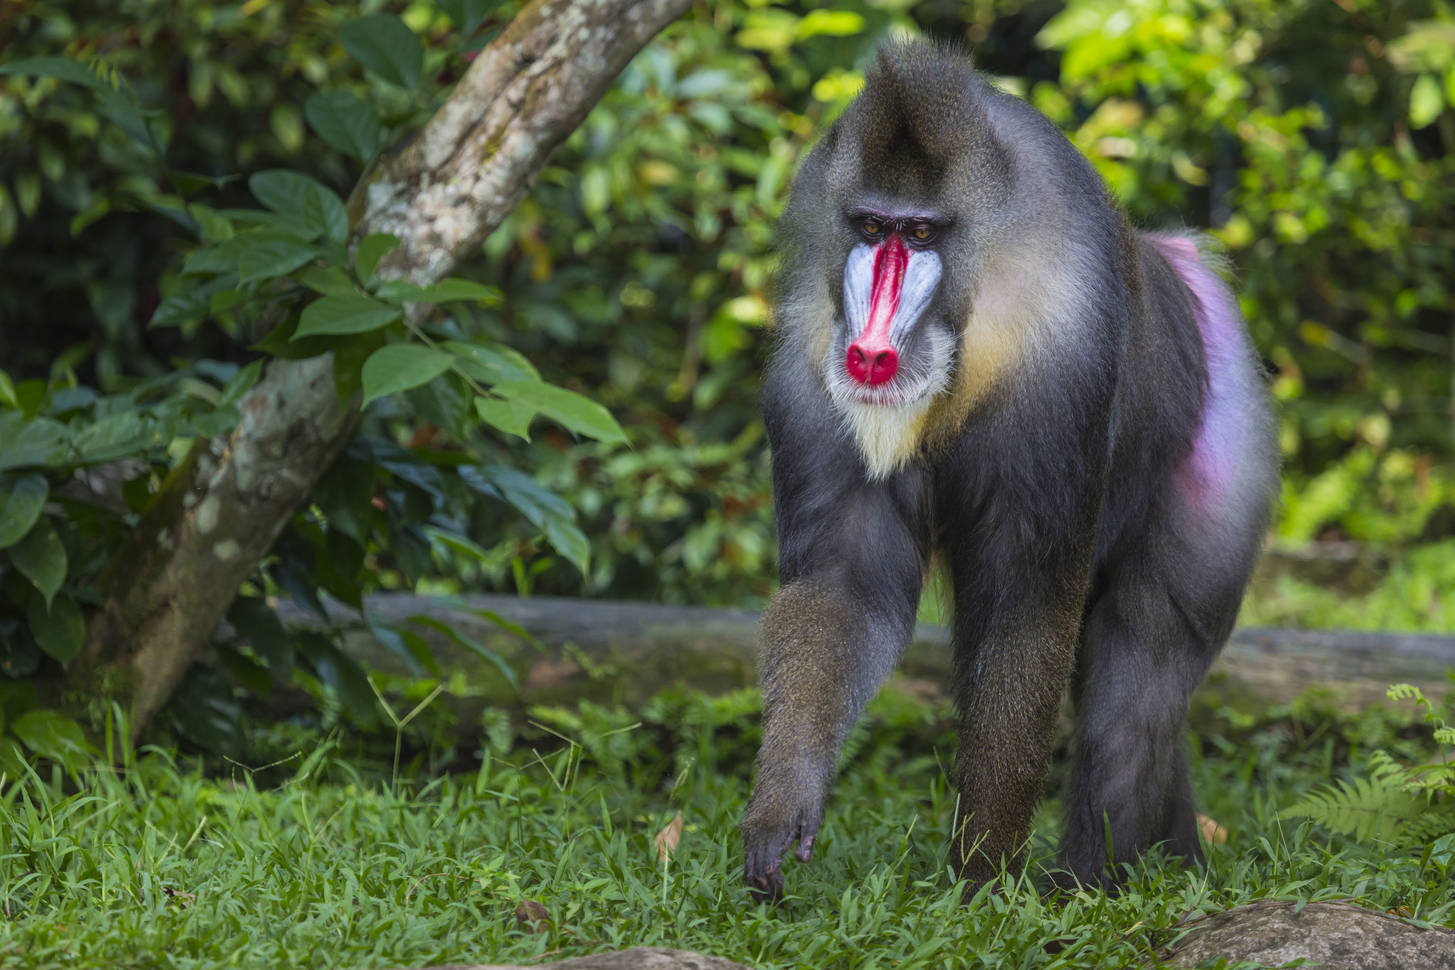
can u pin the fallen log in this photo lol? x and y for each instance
(561, 650)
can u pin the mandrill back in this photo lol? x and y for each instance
(978, 358)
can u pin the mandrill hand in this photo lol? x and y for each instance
(777, 816)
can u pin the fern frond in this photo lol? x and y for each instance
(1374, 808)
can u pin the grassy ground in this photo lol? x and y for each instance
(318, 863)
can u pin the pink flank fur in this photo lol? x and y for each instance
(1209, 469)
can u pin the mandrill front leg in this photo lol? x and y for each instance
(824, 656)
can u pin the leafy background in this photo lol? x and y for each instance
(1312, 138)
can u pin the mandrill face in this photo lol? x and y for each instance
(890, 278)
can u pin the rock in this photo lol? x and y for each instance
(1331, 936)
(637, 958)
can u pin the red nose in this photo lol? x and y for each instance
(869, 364)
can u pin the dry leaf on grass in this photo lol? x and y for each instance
(1211, 830)
(532, 916)
(667, 839)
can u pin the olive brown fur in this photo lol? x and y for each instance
(1075, 424)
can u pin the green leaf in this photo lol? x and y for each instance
(113, 437)
(467, 14)
(7, 391)
(206, 712)
(193, 298)
(386, 47)
(345, 121)
(268, 255)
(32, 441)
(344, 314)
(544, 509)
(456, 288)
(60, 68)
(400, 291)
(342, 674)
(242, 382)
(512, 417)
(469, 643)
(1426, 101)
(20, 503)
(398, 367)
(452, 290)
(60, 629)
(53, 735)
(830, 23)
(302, 198)
(41, 558)
(492, 363)
(373, 248)
(569, 409)
(328, 280)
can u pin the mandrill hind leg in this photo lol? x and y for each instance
(1148, 639)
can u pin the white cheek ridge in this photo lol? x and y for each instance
(858, 287)
(920, 279)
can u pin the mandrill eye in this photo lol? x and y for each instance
(922, 233)
(871, 227)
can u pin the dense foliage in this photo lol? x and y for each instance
(173, 164)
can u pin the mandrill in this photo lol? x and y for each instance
(979, 360)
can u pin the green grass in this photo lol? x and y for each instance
(160, 865)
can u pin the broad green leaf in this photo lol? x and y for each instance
(257, 624)
(570, 542)
(53, 735)
(342, 674)
(492, 363)
(268, 255)
(385, 46)
(303, 199)
(452, 290)
(1426, 101)
(347, 122)
(206, 712)
(705, 84)
(41, 558)
(59, 629)
(344, 314)
(569, 409)
(398, 367)
(114, 436)
(60, 68)
(467, 14)
(193, 299)
(7, 391)
(33, 441)
(215, 259)
(474, 646)
(512, 417)
(13, 763)
(456, 288)
(830, 23)
(328, 280)
(241, 383)
(373, 248)
(544, 509)
(20, 503)
(400, 291)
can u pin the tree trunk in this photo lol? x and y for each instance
(449, 187)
